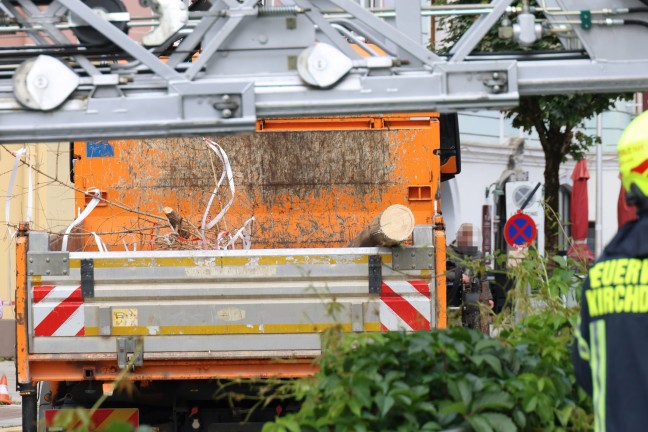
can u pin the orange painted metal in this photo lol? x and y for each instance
(22, 347)
(441, 295)
(53, 389)
(450, 166)
(311, 182)
(103, 370)
(367, 164)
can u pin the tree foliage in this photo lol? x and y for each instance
(557, 119)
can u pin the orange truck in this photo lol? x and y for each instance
(197, 261)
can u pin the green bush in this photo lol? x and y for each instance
(440, 380)
(456, 379)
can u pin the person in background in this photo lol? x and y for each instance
(611, 348)
(468, 284)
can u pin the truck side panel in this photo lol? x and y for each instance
(211, 294)
(217, 305)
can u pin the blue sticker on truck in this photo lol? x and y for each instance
(99, 149)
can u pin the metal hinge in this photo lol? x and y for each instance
(87, 278)
(130, 350)
(375, 274)
(413, 258)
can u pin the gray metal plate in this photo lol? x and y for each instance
(413, 258)
(48, 263)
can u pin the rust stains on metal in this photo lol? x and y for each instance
(305, 188)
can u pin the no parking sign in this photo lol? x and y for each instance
(520, 230)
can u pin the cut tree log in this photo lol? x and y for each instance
(390, 228)
(176, 222)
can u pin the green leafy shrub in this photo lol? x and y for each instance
(456, 379)
(428, 381)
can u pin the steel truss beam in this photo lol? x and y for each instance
(248, 68)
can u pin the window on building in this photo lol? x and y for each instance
(564, 208)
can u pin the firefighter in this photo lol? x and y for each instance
(611, 346)
(470, 286)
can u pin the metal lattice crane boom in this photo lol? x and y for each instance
(217, 70)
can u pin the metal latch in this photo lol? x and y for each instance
(413, 258)
(375, 274)
(130, 349)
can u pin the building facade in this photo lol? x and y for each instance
(35, 187)
(489, 142)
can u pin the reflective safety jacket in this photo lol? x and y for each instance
(611, 349)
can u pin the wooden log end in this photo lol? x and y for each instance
(396, 224)
(390, 228)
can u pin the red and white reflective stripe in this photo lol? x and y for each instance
(58, 310)
(101, 419)
(405, 305)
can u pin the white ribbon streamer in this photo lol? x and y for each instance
(227, 171)
(100, 244)
(30, 191)
(126, 245)
(244, 234)
(12, 181)
(91, 205)
(18, 155)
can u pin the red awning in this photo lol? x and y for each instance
(625, 213)
(578, 216)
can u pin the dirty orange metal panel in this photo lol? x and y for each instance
(22, 348)
(440, 264)
(106, 370)
(306, 182)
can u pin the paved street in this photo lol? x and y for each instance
(10, 415)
